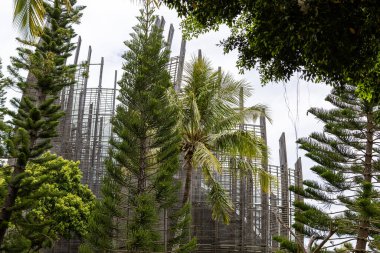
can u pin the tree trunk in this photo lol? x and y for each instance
(141, 180)
(189, 171)
(10, 200)
(364, 224)
(13, 187)
(363, 232)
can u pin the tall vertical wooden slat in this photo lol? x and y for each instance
(180, 65)
(82, 103)
(284, 187)
(265, 220)
(170, 37)
(96, 136)
(299, 184)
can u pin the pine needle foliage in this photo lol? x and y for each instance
(36, 118)
(4, 128)
(144, 152)
(345, 204)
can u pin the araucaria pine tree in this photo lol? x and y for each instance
(144, 150)
(37, 115)
(346, 208)
(4, 129)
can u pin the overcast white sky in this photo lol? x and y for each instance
(105, 25)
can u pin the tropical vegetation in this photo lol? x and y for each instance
(37, 115)
(4, 129)
(144, 155)
(336, 42)
(210, 105)
(345, 207)
(52, 204)
(211, 110)
(42, 199)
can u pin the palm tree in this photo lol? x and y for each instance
(210, 102)
(28, 15)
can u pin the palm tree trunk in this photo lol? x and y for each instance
(189, 171)
(364, 224)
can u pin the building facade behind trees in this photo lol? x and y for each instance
(84, 133)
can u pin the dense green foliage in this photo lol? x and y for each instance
(337, 42)
(4, 128)
(51, 204)
(144, 153)
(345, 205)
(182, 241)
(34, 123)
(209, 104)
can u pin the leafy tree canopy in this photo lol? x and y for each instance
(51, 204)
(336, 42)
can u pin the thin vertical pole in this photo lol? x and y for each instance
(113, 101)
(265, 216)
(199, 54)
(170, 37)
(97, 114)
(242, 179)
(69, 108)
(82, 103)
(162, 23)
(78, 134)
(87, 171)
(299, 183)
(79, 44)
(165, 230)
(99, 173)
(114, 94)
(158, 22)
(284, 186)
(180, 65)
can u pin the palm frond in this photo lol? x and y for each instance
(221, 204)
(195, 115)
(256, 111)
(240, 143)
(265, 179)
(209, 101)
(229, 89)
(28, 16)
(261, 178)
(230, 119)
(67, 4)
(221, 117)
(203, 157)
